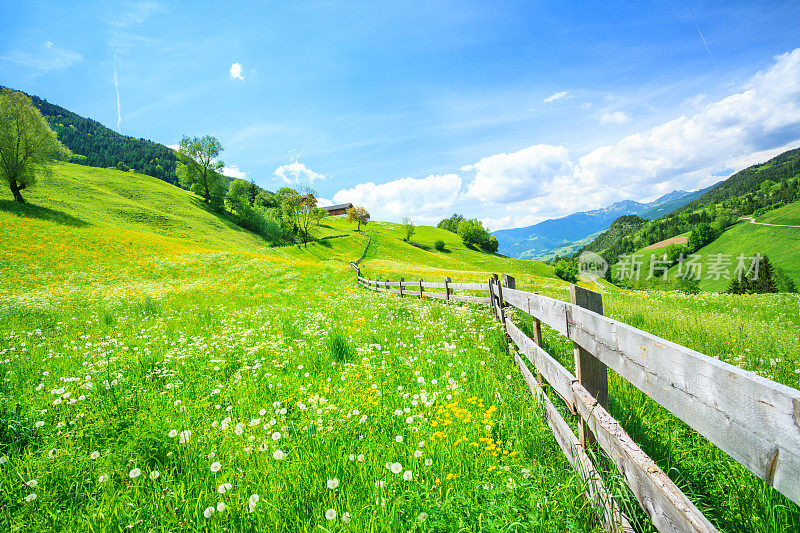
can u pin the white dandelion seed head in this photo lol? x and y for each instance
(333, 483)
(208, 512)
(155, 475)
(173, 433)
(278, 455)
(134, 473)
(30, 497)
(396, 468)
(216, 466)
(220, 507)
(330, 514)
(407, 475)
(225, 487)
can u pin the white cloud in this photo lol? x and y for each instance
(49, 57)
(296, 173)
(520, 175)
(545, 181)
(236, 71)
(232, 171)
(689, 152)
(173, 146)
(422, 199)
(555, 96)
(614, 117)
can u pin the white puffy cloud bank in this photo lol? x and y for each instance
(542, 181)
(296, 173)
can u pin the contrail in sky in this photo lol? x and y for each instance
(116, 88)
(702, 39)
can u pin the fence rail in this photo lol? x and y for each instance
(754, 420)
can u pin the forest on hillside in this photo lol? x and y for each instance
(95, 145)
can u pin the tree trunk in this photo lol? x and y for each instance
(15, 191)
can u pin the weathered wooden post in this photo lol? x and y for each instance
(589, 370)
(386, 285)
(501, 301)
(537, 338)
(491, 297)
(447, 288)
(420, 288)
(401, 287)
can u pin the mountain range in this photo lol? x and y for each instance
(566, 234)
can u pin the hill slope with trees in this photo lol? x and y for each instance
(95, 145)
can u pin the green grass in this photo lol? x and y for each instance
(782, 245)
(788, 215)
(149, 332)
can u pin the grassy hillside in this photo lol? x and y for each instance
(782, 245)
(119, 331)
(786, 215)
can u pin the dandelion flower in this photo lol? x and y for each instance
(396, 468)
(346, 518)
(94, 455)
(417, 453)
(216, 466)
(173, 433)
(330, 514)
(333, 483)
(278, 455)
(422, 516)
(276, 436)
(220, 507)
(208, 512)
(398, 439)
(225, 487)
(251, 502)
(407, 475)
(32, 483)
(3, 459)
(154, 474)
(103, 478)
(185, 435)
(133, 474)
(30, 497)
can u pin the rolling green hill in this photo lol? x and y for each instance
(154, 352)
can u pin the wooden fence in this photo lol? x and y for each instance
(754, 420)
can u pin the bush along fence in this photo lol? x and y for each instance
(754, 420)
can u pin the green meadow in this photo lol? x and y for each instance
(165, 370)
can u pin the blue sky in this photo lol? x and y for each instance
(509, 112)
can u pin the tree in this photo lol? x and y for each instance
(199, 170)
(318, 214)
(238, 191)
(451, 224)
(304, 212)
(359, 215)
(27, 144)
(764, 283)
(408, 228)
(439, 245)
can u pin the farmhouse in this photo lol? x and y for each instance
(338, 209)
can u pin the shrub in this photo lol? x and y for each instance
(439, 245)
(566, 270)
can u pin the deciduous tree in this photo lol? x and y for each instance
(27, 144)
(359, 215)
(200, 171)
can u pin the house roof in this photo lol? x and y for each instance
(338, 206)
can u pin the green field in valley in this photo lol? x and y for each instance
(166, 370)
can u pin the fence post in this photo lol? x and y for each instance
(420, 288)
(447, 288)
(401, 287)
(491, 297)
(500, 303)
(591, 373)
(537, 338)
